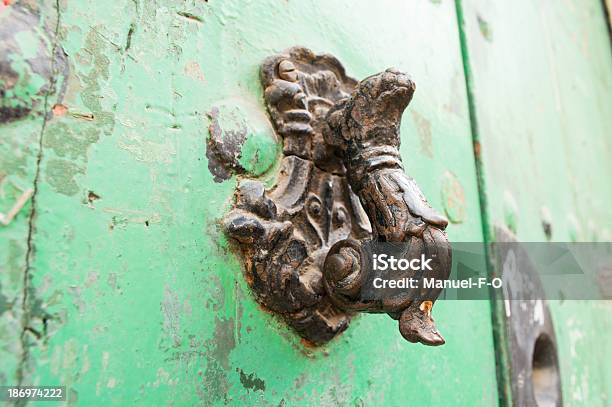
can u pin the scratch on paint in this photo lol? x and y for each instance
(190, 16)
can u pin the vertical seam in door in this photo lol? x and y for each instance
(500, 340)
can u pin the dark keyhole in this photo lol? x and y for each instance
(545, 372)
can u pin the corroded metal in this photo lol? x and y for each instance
(366, 129)
(341, 174)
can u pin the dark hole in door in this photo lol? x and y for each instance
(545, 372)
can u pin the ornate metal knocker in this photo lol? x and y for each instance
(341, 185)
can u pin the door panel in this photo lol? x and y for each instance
(142, 298)
(542, 79)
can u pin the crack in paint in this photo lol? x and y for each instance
(25, 328)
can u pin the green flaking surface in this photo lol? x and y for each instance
(137, 295)
(19, 152)
(258, 153)
(542, 84)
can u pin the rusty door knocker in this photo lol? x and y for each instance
(341, 185)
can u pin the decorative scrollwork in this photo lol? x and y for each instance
(301, 240)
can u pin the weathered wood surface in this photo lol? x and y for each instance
(133, 294)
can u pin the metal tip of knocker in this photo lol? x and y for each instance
(416, 325)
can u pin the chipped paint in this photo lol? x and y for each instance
(521, 84)
(251, 381)
(424, 130)
(453, 198)
(485, 29)
(235, 147)
(60, 174)
(167, 316)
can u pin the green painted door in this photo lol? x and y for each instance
(116, 279)
(541, 80)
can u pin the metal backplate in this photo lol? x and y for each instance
(285, 232)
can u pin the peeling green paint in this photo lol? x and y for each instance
(139, 301)
(60, 174)
(240, 141)
(251, 381)
(168, 317)
(544, 130)
(66, 143)
(258, 153)
(92, 73)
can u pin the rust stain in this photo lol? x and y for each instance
(59, 109)
(194, 71)
(308, 344)
(477, 150)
